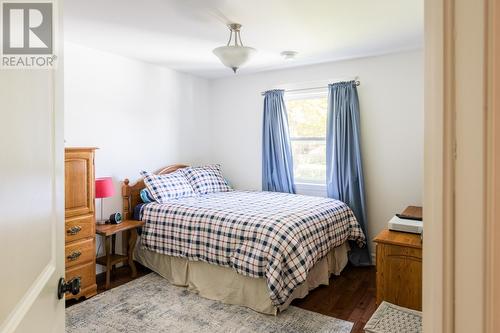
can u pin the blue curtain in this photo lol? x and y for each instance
(277, 165)
(344, 172)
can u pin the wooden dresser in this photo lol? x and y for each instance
(399, 269)
(80, 219)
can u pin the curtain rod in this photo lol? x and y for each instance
(357, 83)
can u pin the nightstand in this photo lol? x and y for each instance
(109, 231)
(399, 269)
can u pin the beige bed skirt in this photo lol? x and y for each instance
(225, 285)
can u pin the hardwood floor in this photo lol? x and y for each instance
(350, 296)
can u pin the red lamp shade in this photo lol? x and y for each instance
(104, 187)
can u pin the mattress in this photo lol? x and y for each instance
(275, 236)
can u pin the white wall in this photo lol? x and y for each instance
(140, 116)
(143, 116)
(391, 101)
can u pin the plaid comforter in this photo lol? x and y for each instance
(272, 235)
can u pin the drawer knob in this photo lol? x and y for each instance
(74, 255)
(74, 230)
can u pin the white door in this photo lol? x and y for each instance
(31, 200)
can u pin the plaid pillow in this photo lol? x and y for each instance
(206, 179)
(170, 186)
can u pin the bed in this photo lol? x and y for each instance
(256, 249)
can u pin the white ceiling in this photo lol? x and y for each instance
(181, 34)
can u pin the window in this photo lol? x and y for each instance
(307, 122)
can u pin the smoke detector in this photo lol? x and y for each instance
(289, 55)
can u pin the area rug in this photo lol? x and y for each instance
(151, 304)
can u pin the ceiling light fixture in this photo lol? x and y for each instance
(234, 55)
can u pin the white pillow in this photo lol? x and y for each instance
(169, 186)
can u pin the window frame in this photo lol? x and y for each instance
(302, 186)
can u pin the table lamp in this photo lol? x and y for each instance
(103, 189)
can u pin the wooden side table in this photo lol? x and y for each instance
(109, 231)
(399, 269)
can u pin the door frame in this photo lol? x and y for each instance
(438, 255)
(493, 169)
(462, 92)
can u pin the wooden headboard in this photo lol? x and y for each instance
(131, 193)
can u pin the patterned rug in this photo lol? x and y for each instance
(390, 318)
(151, 304)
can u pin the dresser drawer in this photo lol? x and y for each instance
(86, 273)
(401, 251)
(79, 228)
(80, 252)
(399, 275)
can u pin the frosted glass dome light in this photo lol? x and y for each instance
(234, 55)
